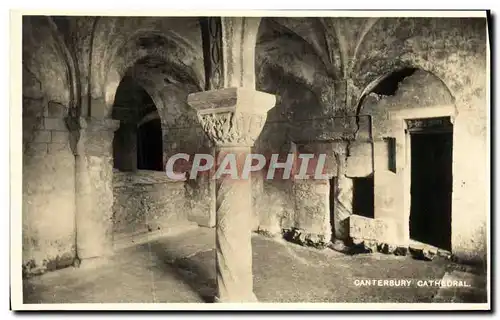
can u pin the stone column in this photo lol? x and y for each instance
(233, 118)
(233, 232)
(343, 207)
(94, 188)
(343, 199)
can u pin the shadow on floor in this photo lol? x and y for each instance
(197, 270)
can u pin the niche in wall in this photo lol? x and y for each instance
(363, 196)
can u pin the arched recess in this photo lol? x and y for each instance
(412, 130)
(137, 144)
(120, 42)
(163, 70)
(48, 73)
(452, 49)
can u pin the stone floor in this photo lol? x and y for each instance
(181, 268)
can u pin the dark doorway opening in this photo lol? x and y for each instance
(333, 195)
(363, 194)
(150, 146)
(137, 144)
(431, 184)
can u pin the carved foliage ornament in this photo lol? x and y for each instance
(233, 128)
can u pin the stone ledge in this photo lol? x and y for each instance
(145, 177)
(128, 240)
(382, 230)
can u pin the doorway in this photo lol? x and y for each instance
(431, 181)
(363, 196)
(150, 146)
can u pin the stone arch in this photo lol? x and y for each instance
(418, 94)
(120, 43)
(389, 84)
(132, 103)
(74, 84)
(393, 43)
(167, 83)
(48, 74)
(169, 72)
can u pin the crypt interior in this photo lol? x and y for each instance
(398, 105)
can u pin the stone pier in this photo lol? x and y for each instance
(94, 190)
(233, 118)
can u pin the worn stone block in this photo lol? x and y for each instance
(56, 110)
(422, 252)
(48, 211)
(372, 229)
(359, 162)
(303, 238)
(338, 245)
(312, 206)
(331, 150)
(36, 149)
(60, 136)
(401, 251)
(362, 246)
(386, 248)
(41, 136)
(146, 201)
(57, 147)
(200, 200)
(57, 124)
(274, 206)
(364, 128)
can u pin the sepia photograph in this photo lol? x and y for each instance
(251, 160)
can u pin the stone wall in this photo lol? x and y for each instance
(318, 74)
(273, 205)
(425, 95)
(322, 71)
(48, 210)
(146, 201)
(48, 199)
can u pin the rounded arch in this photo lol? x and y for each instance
(51, 59)
(154, 73)
(122, 43)
(451, 49)
(73, 81)
(137, 145)
(48, 74)
(155, 92)
(397, 84)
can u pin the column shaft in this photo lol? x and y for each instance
(94, 188)
(233, 233)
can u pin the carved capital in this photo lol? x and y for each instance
(95, 136)
(232, 116)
